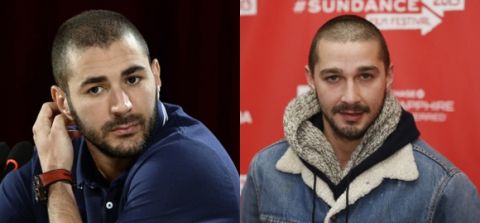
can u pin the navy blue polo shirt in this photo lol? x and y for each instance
(183, 175)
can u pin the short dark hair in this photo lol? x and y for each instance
(346, 28)
(93, 28)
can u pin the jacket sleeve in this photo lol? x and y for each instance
(458, 201)
(249, 204)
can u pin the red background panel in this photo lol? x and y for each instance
(442, 64)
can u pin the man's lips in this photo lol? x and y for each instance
(126, 129)
(351, 116)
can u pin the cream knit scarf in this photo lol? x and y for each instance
(310, 143)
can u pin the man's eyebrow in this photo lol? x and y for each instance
(93, 80)
(330, 71)
(367, 68)
(132, 70)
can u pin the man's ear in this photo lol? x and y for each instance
(156, 73)
(389, 76)
(309, 77)
(60, 98)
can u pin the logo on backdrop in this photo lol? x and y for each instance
(248, 7)
(423, 15)
(414, 101)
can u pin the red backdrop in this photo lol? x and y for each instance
(433, 46)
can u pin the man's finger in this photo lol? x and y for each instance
(58, 125)
(44, 119)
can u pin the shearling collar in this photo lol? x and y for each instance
(399, 166)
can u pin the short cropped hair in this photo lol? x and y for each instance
(93, 28)
(347, 28)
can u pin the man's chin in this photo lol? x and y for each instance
(122, 148)
(126, 145)
(122, 151)
(350, 131)
(352, 134)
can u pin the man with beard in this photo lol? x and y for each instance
(351, 153)
(139, 160)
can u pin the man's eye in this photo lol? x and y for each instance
(133, 80)
(95, 90)
(366, 76)
(332, 79)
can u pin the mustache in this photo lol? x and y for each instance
(345, 107)
(110, 125)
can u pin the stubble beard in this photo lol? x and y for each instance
(350, 132)
(98, 138)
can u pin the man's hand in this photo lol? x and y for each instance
(54, 145)
(55, 151)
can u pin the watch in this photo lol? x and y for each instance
(42, 181)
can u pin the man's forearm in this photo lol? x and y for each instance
(62, 206)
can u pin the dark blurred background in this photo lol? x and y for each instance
(196, 42)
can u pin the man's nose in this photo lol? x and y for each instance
(351, 93)
(121, 103)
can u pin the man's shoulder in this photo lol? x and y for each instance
(182, 150)
(185, 143)
(185, 170)
(451, 190)
(182, 145)
(177, 118)
(435, 169)
(268, 156)
(182, 128)
(430, 159)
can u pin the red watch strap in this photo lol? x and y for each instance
(53, 176)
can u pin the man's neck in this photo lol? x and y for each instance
(342, 147)
(110, 168)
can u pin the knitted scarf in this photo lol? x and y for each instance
(310, 144)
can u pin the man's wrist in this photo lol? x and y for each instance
(56, 166)
(42, 182)
(58, 184)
